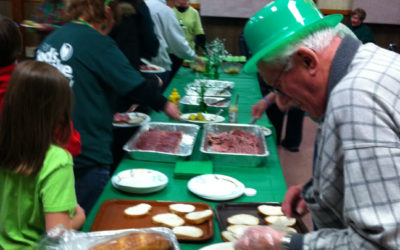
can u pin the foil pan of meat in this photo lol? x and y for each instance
(162, 142)
(190, 104)
(234, 144)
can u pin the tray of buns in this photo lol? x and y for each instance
(235, 218)
(190, 221)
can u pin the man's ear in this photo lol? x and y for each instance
(307, 58)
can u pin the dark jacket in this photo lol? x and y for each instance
(135, 34)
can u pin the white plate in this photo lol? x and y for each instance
(139, 181)
(266, 131)
(133, 115)
(209, 117)
(157, 70)
(216, 187)
(219, 246)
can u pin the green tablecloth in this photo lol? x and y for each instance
(267, 179)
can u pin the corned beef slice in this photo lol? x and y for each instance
(160, 140)
(237, 141)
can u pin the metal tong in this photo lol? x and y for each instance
(219, 101)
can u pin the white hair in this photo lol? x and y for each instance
(316, 41)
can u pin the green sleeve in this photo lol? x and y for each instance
(58, 184)
(198, 28)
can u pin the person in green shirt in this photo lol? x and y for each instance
(190, 21)
(37, 189)
(360, 29)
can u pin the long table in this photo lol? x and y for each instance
(268, 179)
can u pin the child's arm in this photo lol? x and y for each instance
(76, 222)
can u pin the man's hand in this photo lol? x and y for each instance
(172, 111)
(260, 238)
(293, 202)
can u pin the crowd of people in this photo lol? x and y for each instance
(56, 132)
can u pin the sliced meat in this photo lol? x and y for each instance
(236, 141)
(160, 140)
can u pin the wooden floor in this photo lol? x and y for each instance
(297, 167)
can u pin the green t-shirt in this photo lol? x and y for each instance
(363, 33)
(190, 23)
(99, 73)
(25, 200)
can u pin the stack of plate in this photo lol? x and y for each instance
(216, 187)
(139, 181)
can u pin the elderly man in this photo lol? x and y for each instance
(354, 90)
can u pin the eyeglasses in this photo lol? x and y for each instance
(275, 84)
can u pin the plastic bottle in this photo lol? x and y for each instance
(174, 97)
(233, 111)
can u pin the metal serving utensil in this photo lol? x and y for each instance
(216, 115)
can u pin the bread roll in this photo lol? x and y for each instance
(283, 228)
(199, 217)
(280, 220)
(243, 219)
(138, 210)
(228, 236)
(135, 241)
(269, 210)
(180, 208)
(188, 231)
(168, 219)
(237, 230)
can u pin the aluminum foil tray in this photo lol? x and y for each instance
(232, 159)
(185, 147)
(190, 104)
(216, 92)
(214, 83)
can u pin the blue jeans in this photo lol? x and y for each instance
(89, 183)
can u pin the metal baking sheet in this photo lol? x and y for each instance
(225, 210)
(232, 159)
(81, 240)
(185, 147)
(190, 104)
(118, 220)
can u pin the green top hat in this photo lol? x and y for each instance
(280, 23)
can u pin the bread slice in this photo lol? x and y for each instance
(199, 217)
(237, 230)
(243, 219)
(180, 208)
(188, 231)
(138, 210)
(269, 210)
(228, 236)
(280, 220)
(168, 219)
(283, 228)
